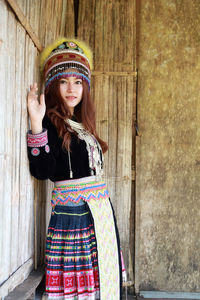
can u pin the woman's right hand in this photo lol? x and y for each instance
(36, 109)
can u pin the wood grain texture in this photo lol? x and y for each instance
(17, 278)
(28, 287)
(5, 158)
(25, 23)
(23, 204)
(108, 27)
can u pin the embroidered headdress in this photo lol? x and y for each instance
(66, 53)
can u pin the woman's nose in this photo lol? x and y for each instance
(70, 87)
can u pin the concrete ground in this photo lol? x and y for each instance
(40, 289)
(142, 298)
(129, 297)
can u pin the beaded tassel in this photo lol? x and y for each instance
(70, 166)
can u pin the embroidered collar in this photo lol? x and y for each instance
(95, 155)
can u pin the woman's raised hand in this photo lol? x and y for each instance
(36, 109)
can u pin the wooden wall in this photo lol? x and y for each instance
(22, 198)
(109, 28)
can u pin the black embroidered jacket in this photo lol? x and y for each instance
(48, 160)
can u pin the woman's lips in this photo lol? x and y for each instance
(70, 97)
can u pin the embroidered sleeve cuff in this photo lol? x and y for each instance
(37, 140)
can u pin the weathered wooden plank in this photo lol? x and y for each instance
(41, 222)
(24, 211)
(15, 145)
(114, 35)
(87, 17)
(28, 287)
(4, 248)
(31, 73)
(67, 21)
(22, 5)
(25, 23)
(58, 6)
(19, 60)
(99, 37)
(100, 99)
(32, 14)
(16, 278)
(36, 186)
(19, 83)
(107, 48)
(16, 111)
(27, 189)
(8, 184)
(114, 76)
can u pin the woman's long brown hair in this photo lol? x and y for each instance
(84, 112)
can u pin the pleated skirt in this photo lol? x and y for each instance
(83, 259)
(71, 254)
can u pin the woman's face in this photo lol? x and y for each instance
(71, 91)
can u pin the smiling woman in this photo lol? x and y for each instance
(71, 90)
(83, 258)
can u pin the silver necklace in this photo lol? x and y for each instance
(93, 147)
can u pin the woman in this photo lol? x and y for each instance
(82, 249)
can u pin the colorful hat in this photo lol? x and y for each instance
(66, 53)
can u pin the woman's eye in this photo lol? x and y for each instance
(78, 81)
(62, 81)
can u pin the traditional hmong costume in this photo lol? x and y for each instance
(83, 257)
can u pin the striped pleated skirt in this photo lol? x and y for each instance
(82, 247)
(71, 254)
